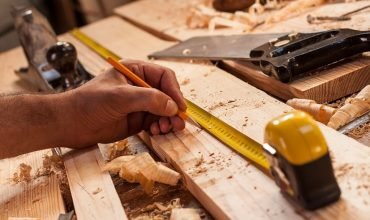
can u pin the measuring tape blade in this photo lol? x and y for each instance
(221, 130)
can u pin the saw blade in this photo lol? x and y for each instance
(231, 47)
(355, 123)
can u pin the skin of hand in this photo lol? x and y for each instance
(110, 108)
(106, 109)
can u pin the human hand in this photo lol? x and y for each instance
(109, 108)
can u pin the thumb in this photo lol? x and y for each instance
(149, 100)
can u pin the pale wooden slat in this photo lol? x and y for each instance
(93, 192)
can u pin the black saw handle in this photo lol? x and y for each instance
(295, 54)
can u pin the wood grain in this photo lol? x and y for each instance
(325, 86)
(10, 61)
(226, 184)
(93, 192)
(41, 198)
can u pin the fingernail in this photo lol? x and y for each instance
(171, 107)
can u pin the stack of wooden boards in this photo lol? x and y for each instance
(226, 184)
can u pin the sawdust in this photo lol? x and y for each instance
(23, 174)
(51, 165)
(96, 191)
(139, 205)
(359, 131)
(185, 81)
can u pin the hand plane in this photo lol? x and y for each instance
(52, 65)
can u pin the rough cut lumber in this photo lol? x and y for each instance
(40, 198)
(328, 85)
(93, 192)
(226, 184)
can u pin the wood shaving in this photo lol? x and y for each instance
(142, 169)
(117, 149)
(185, 81)
(204, 16)
(353, 108)
(319, 112)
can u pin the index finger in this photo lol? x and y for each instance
(159, 77)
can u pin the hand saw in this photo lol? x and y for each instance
(283, 56)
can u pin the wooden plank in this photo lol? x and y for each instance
(10, 61)
(40, 198)
(226, 184)
(93, 192)
(326, 86)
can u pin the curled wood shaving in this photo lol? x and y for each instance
(116, 149)
(203, 16)
(353, 108)
(320, 112)
(142, 169)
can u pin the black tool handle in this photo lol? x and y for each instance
(63, 57)
(295, 54)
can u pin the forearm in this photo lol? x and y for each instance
(30, 122)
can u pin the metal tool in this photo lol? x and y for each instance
(305, 173)
(300, 161)
(283, 57)
(355, 123)
(37, 38)
(53, 65)
(344, 17)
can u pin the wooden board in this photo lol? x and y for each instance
(93, 192)
(10, 61)
(230, 186)
(325, 86)
(41, 198)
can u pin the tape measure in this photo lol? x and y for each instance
(236, 140)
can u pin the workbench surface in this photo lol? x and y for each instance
(231, 189)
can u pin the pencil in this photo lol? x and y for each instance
(140, 82)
